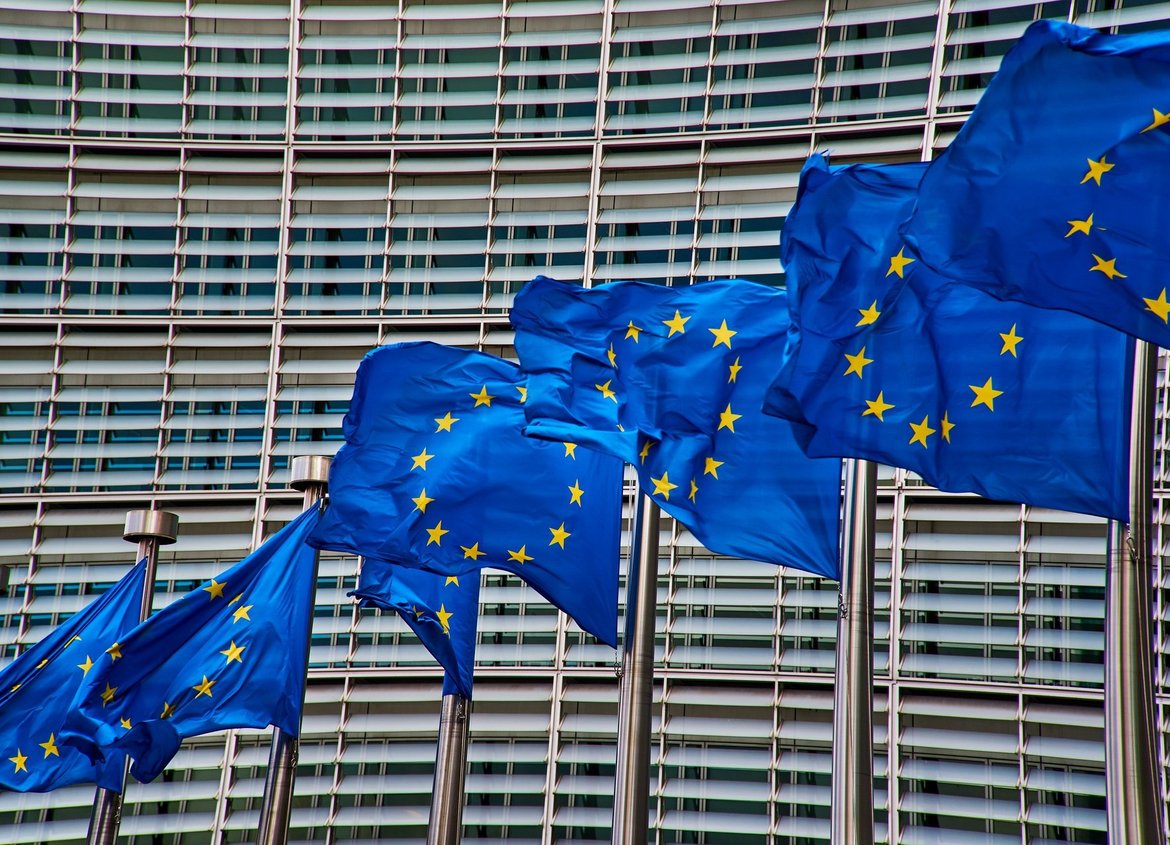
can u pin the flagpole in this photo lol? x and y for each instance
(632, 774)
(446, 824)
(1132, 787)
(309, 474)
(149, 529)
(851, 810)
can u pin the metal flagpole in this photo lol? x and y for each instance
(1132, 787)
(149, 529)
(309, 474)
(446, 825)
(851, 811)
(632, 775)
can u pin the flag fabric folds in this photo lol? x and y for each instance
(889, 362)
(37, 690)
(1054, 192)
(436, 474)
(441, 609)
(229, 654)
(671, 380)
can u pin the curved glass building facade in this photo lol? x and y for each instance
(210, 210)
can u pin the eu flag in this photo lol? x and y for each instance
(889, 362)
(229, 654)
(671, 380)
(37, 689)
(1055, 191)
(436, 473)
(441, 609)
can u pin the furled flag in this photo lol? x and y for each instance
(671, 380)
(889, 362)
(37, 689)
(229, 654)
(435, 473)
(441, 609)
(1055, 191)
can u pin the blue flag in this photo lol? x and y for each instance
(889, 362)
(37, 689)
(671, 380)
(441, 609)
(229, 654)
(1055, 191)
(435, 473)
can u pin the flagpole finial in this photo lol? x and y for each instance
(162, 526)
(309, 470)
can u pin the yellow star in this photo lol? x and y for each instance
(233, 652)
(1109, 268)
(1085, 226)
(727, 419)
(108, 694)
(612, 356)
(898, 264)
(1010, 341)
(236, 599)
(723, 335)
(215, 589)
(50, 746)
(15, 687)
(733, 371)
(711, 467)
(632, 331)
(644, 452)
(472, 551)
(1096, 170)
(482, 398)
(947, 425)
(521, 557)
(1160, 119)
(606, 391)
(43, 664)
(420, 460)
(571, 450)
(694, 491)
(115, 651)
(203, 688)
(985, 395)
(20, 760)
(662, 486)
(73, 640)
(857, 363)
(1159, 306)
(125, 722)
(445, 422)
(559, 535)
(452, 579)
(421, 501)
(676, 325)
(86, 666)
(869, 315)
(444, 618)
(877, 407)
(922, 431)
(168, 710)
(575, 493)
(434, 535)
(242, 613)
(523, 391)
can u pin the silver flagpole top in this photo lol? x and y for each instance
(309, 470)
(162, 526)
